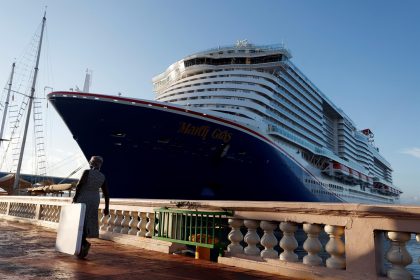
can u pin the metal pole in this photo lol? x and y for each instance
(6, 106)
(28, 116)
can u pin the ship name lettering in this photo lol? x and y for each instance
(201, 131)
(223, 135)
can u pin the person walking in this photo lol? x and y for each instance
(87, 192)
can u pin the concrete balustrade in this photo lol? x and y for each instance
(398, 255)
(252, 238)
(142, 224)
(134, 219)
(268, 240)
(356, 233)
(288, 243)
(235, 237)
(117, 221)
(335, 247)
(312, 244)
(110, 221)
(150, 226)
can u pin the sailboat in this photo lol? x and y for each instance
(16, 178)
(17, 183)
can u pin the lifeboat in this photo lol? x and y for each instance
(354, 174)
(364, 178)
(384, 188)
(340, 169)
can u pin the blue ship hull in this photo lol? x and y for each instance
(156, 150)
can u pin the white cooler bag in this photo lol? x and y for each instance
(70, 228)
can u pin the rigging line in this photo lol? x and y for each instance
(15, 139)
(48, 59)
(72, 173)
(32, 44)
(21, 93)
(65, 161)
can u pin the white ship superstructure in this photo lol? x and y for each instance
(259, 87)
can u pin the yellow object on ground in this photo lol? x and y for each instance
(202, 253)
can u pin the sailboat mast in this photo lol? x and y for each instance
(6, 105)
(28, 116)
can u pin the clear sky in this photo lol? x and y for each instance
(364, 55)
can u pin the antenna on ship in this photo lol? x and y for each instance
(6, 105)
(88, 81)
(28, 116)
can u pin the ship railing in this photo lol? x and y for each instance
(315, 149)
(303, 240)
(274, 47)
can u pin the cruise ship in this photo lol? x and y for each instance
(238, 122)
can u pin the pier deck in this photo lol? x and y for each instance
(27, 252)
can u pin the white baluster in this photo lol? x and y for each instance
(235, 237)
(142, 224)
(251, 238)
(133, 223)
(157, 221)
(125, 222)
(100, 214)
(268, 240)
(12, 208)
(19, 209)
(288, 243)
(398, 255)
(335, 247)
(3, 206)
(25, 210)
(15, 208)
(104, 221)
(45, 212)
(48, 212)
(312, 245)
(150, 224)
(42, 212)
(32, 211)
(56, 214)
(418, 240)
(117, 221)
(22, 209)
(111, 220)
(29, 211)
(51, 213)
